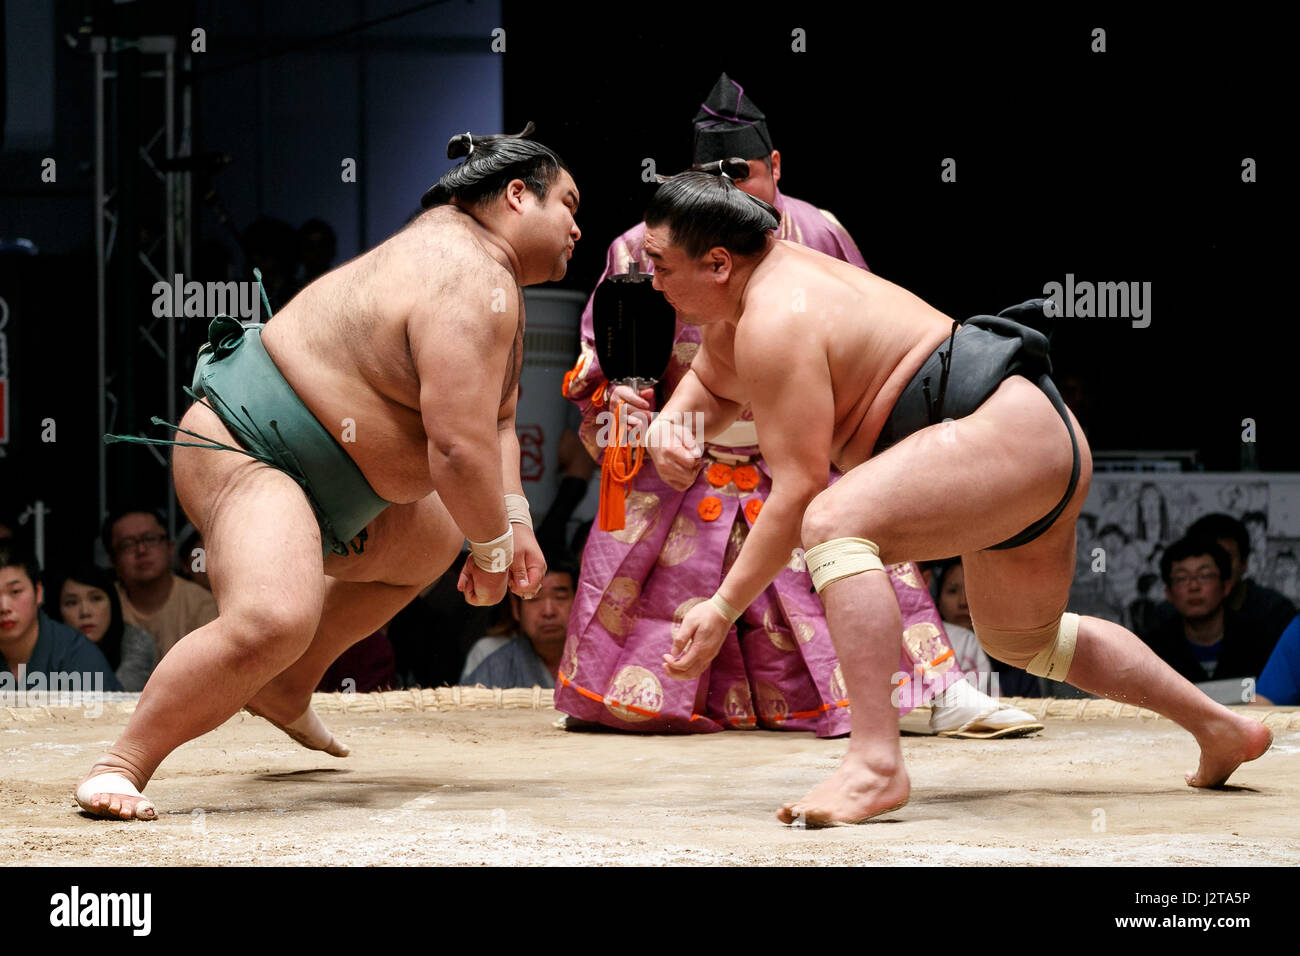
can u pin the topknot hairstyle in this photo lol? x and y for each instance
(704, 208)
(491, 162)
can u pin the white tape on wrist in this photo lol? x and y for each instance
(725, 609)
(496, 555)
(517, 510)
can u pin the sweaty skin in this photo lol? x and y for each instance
(412, 350)
(821, 351)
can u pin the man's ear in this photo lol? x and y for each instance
(515, 194)
(720, 263)
(40, 594)
(776, 165)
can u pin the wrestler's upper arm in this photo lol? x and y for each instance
(712, 371)
(786, 374)
(460, 349)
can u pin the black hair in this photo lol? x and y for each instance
(704, 208)
(96, 577)
(563, 564)
(16, 555)
(1219, 526)
(117, 514)
(491, 162)
(1194, 547)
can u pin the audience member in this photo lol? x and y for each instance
(1208, 640)
(1280, 682)
(533, 657)
(153, 598)
(1262, 608)
(86, 600)
(32, 643)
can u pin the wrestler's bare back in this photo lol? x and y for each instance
(872, 334)
(344, 342)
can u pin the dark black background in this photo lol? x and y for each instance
(1115, 166)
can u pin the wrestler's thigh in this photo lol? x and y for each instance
(408, 544)
(259, 533)
(955, 487)
(1029, 585)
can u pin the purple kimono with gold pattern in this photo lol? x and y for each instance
(776, 668)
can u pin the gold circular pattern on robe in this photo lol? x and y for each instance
(638, 687)
(804, 629)
(737, 705)
(781, 639)
(907, 574)
(683, 609)
(681, 542)
(641, 515)
(771, 702)
(618, 606)
(924, 641)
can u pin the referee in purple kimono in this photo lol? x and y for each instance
(777, 668)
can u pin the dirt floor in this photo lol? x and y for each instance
(506, 787)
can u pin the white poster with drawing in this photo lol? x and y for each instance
(1129, 519)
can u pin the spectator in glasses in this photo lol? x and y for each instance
(1208, 640)
(154, 599)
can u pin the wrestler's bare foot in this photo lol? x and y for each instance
(1227, 745)
(856, 792)
(113, 791)
(309, 730)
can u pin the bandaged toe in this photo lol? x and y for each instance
(110, 782)
(310, 731)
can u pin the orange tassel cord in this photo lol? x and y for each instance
(621, 464)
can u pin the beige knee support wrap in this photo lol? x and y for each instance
(1054, 644)
(841, 557)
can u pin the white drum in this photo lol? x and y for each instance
(550, 349)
